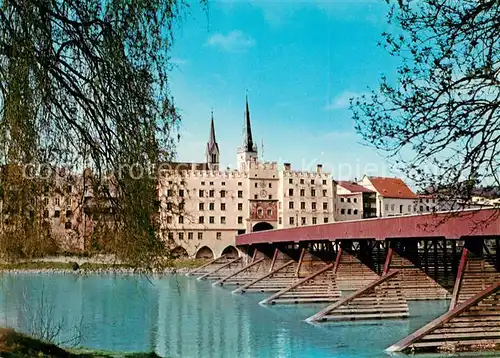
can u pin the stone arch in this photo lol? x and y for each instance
(179, 252)
(230, 252)
(205, 252)
(262, 226)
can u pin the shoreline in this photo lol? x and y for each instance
(84, 272)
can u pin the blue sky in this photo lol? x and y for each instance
(300, 63)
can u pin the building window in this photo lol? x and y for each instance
(312, 181)
(349, 211)
(325, 206)
(200, 193)
(169, 193)
(355, 200)
(181, 206)
(313, 192)
(392, 207)
(240, 183)
(302, 206)
(45, 213)
(240, 193)
(169, 219)
(421, 208)
(222, 193)
(290, 205)
(211, 206)
(255, 196)
(67, 225)
(201, 206)
(255, 185)
(70, 188)
(341, 200)
(290, 181)
(211, 219)
(190, 236)
(342, 211)
(324, 182)
(303, 220)
(290, 220)
(68, 213)
(211, 193)
(181, 236)
(181, 192)
(280, 221)
(325, 220)
(222, 219)
(219, 235)
(427, 208)
(313, 206)
(223, 183)
(324, 192)
(240, 219)
(302, 192)
(201, 220)
(386, 207)
(170, 235)
(270, 197)
(211, 183)
(315, 221)
(348, 200)
(409, 208)
(355, 211)
(181, 219)
(202, 183)
(269, 212)
(301, 181)
(270, 185)
(200, 236)
(259, 212)
(169, 206)
(414, 208)
(240, 206)
(223, 206)
(290, 192)
(427, 201)
(46, 201)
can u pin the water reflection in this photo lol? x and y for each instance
(182, 317)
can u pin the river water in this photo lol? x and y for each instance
(178, 316)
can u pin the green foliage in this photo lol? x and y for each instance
(84, 84)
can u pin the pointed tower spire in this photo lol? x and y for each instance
(212, 147)
(247, 130)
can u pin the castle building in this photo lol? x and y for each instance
(204, 208)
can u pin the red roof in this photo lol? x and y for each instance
(392, 188)
(354, 187)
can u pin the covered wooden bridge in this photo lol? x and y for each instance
(369, 269)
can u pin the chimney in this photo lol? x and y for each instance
(288, 166)
(319, 168)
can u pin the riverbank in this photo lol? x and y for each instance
(68, 265)
(17, 345)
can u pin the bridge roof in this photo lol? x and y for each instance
(451, 225)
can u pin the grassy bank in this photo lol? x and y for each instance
(17, 345)
(89, 266)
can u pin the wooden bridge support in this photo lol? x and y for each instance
(222, 269)
(282, 275)
(471, 325)
(248, 273)
(381, 299)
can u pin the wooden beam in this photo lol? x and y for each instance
(387, 263)
(254, 255)
(224, 279)
(428, 328)
(302, 253)
(337, 260)
(276, 252)
(361, 291)
(243, 288)
(219, 268)
(190, 273)
(298, 283)
(458, 280)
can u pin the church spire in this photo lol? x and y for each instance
(212, 147)
(248, 144)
